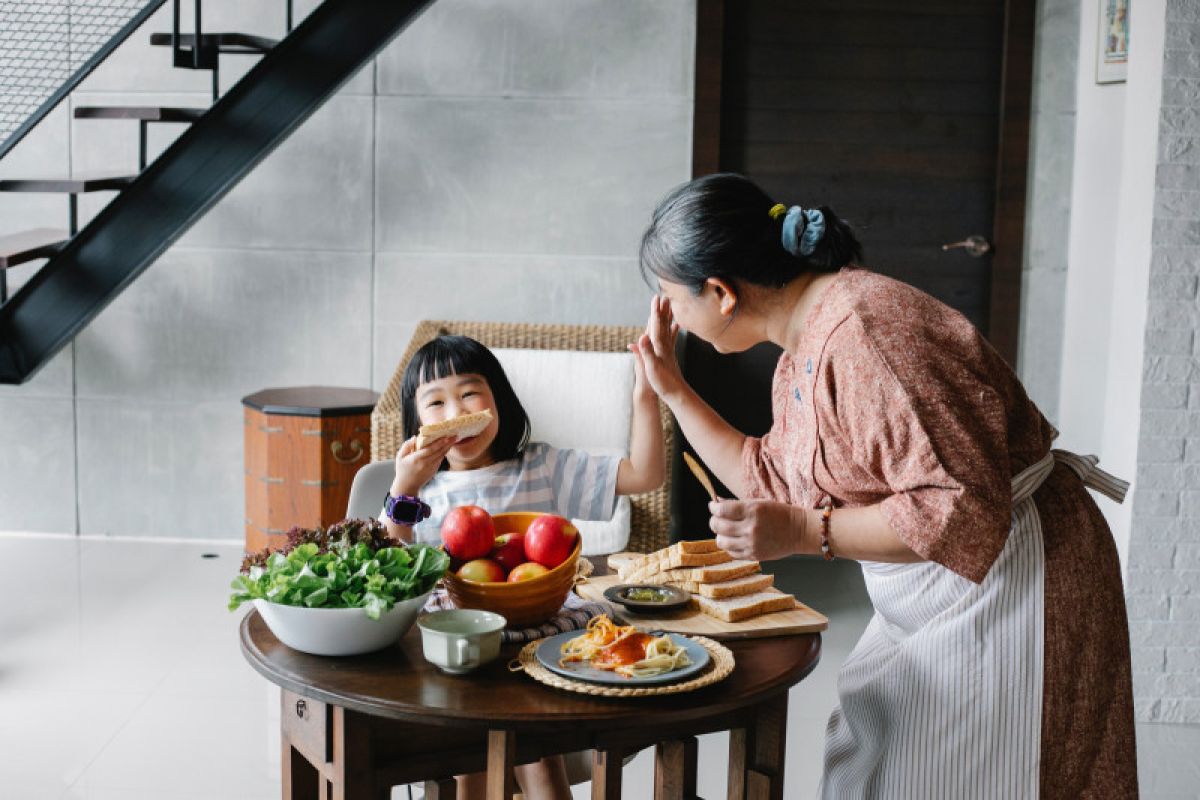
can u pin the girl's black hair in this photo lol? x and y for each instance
(459, 355)
(720, 226)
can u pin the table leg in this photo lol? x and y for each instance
(300, 778)
(441, 790)
(502, 748)
(737, 764)
(352, 774)
(606, 774)
(675, 769)
(757, 753)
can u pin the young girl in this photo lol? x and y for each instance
(501, 470)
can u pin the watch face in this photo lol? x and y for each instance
(401, 510)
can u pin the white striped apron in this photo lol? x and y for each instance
(942, 695)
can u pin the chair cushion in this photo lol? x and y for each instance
(578, 400)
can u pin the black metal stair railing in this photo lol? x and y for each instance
(291, 81)
(48, 47)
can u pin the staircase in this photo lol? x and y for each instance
(86, 269)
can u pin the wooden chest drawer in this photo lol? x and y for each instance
(302, 448)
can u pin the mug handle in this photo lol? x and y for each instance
(467, 653)
(462, 647)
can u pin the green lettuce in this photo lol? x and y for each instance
(341, 573)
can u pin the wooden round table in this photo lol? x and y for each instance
(366, 723)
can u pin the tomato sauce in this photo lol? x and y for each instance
(628, 650)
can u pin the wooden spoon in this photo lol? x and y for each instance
(700, 474)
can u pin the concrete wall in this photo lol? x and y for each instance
(1164, 558)
(1048, 205)
(497, 161)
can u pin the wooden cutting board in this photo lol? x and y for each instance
(800, 619)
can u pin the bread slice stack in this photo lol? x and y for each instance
(721, 586)
(463, 426)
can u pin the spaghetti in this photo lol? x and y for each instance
(624, 650)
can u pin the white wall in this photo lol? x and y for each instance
(1131, 275)
(1108, 261)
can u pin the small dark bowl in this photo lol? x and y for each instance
(673, 599)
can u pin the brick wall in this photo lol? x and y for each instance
(1164, 556)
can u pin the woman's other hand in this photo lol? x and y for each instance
(414, 468)
(655, 351)
(758, 530)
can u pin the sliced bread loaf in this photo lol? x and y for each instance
(681, 554)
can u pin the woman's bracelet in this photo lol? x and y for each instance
(826, 516)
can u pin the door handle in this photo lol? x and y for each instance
(976, 246)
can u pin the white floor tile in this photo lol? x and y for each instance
(121, 679)
(49, 739)
(198, 745)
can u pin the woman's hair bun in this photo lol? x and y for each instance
(725, 226)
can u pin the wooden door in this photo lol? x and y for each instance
(909, 119)
(891, 113)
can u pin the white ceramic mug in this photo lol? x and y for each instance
(458, 640)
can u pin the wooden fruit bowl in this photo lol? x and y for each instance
(523, 603)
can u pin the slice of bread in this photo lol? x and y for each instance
(715, 573)
(681, 554)
(734, 588)
(736, 609)
(462, 426)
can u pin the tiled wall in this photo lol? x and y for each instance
(1164, 555)
(497, 161)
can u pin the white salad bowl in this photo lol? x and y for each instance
(339, 631)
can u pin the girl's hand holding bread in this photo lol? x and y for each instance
(414, 467)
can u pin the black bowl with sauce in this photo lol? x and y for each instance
(647, 598)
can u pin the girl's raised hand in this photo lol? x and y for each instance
(415, 468)
(655, 351)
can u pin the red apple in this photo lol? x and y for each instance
(526, 571)
(549, 540)
(468, 532)
(509, 550)
(482, 570)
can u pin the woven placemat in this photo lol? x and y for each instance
(718, 669)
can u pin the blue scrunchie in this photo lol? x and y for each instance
(802, 229)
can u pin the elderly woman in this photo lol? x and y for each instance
(997, 661)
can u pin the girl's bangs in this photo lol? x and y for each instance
(443, 360)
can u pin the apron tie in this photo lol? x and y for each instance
(1092, 476)
(1028, 480)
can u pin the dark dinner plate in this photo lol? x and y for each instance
(672, 599)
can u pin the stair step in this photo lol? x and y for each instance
(144, 113)
(30, 245)
(75, 185)
(221, 42)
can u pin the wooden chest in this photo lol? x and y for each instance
(303, 446)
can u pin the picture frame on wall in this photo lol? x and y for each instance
(1112, 51)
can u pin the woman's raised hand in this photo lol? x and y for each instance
(655, 351)
(759, 530)
(415, 468)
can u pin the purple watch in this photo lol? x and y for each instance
(405, 509)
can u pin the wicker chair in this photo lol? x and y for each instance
(650, 512)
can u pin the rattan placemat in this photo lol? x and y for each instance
(719, 667)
